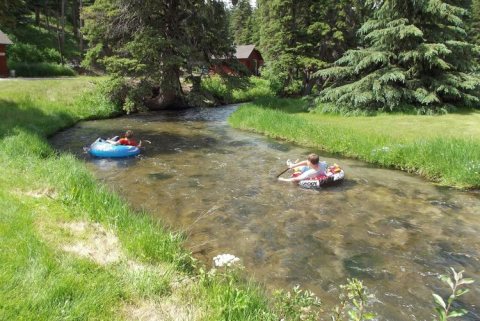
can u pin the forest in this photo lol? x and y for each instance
(356, 55)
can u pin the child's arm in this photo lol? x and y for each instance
(281, 179)
(302, 163)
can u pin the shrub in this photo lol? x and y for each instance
(229, 89)
(125, 93)
(218, 88)
(40, 69)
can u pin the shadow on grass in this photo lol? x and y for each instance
(26, 116)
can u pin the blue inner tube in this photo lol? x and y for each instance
(105, 149)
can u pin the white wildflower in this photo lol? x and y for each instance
(225, 260)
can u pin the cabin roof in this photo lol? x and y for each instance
(4, 39)
(243, 52)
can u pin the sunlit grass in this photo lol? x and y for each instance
(442, 148)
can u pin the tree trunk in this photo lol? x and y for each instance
(59, 39)
(37, 15)
(75, 17)
(80, 26)
(307, 90)
(45, 8)
(170, 94)
(62, 33)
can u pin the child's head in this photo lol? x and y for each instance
(129, 134)
(313, 159)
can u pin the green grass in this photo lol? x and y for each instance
(443, 148)
(39, 280)
(229, 90)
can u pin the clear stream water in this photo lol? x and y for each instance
(395, 231)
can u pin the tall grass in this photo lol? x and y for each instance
(444, 149)
(229, 90)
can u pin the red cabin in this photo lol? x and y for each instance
(4, 41)
(248, 56)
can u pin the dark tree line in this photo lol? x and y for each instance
(358, 54)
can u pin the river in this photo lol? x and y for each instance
(395, 231)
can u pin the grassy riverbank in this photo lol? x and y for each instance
(444, 149)
(70, 249)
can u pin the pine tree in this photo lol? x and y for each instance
(241, 23)
(10, 12)
(155, 42)
(474, 25)
(300, 37)
(416, 54)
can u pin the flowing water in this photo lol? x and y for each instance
(393, 230)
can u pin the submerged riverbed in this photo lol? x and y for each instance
(393, 230)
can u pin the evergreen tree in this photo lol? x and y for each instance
(474, 25)
(416, 54)
(11, 11)
(241, 26)
(155, 42)
(300, 37)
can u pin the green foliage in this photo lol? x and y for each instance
(33, 43)
(445, 310)
(232, 296)
(474, 22)
(297, 304)
(123, 93)
(26, 52)
(11, 11)
(40, 69)
(354, 300)
(416, 54)
(242, 23)
(298, 38)
(229, 90)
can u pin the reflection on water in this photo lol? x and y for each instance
(392, 230)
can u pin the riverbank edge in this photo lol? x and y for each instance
(54, 207)
(446, 162)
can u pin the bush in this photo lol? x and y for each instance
(257, 88)
(218, 88)
(229, 90)
(21, 52)
(40, 69)
(125, 93)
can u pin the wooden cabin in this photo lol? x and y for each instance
(4, 41)
(248, 56)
